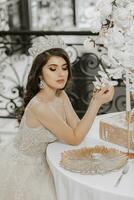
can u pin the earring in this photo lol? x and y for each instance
(41, 84)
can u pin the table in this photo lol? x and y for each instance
(75, 186)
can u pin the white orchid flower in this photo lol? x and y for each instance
(114, 20)
(105, 9)
(122, 18)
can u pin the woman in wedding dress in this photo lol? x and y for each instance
(48, 116)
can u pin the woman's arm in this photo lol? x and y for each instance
(74, 132)
(81, 127)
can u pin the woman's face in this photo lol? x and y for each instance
(55, 72)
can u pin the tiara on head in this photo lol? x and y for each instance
(43, 43)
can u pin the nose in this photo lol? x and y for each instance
(61, 72)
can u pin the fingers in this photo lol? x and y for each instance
(104, 89)
(107, 89)
(100, 91)
(96, 91)
(109, 94)
(106, 93)
(111, 90)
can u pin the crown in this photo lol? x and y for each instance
(43, 43)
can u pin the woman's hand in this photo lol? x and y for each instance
(104, 95)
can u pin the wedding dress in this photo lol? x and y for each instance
(24, 172)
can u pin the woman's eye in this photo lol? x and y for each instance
(65, 68)
(52, 69)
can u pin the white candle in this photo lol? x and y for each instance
(128, 102)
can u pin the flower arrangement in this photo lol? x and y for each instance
(114, 20)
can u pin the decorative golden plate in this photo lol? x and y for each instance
(93, 160)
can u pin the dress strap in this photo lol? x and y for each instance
(33, 101)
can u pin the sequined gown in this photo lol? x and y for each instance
(24, 172)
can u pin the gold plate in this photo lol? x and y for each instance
(93, 160)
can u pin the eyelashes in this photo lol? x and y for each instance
(54, 69)
(65, 68)
(51, 69)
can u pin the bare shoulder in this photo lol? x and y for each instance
(40, 106)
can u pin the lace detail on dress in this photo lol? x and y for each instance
(32, 141)
(24, 177)
(24, 172)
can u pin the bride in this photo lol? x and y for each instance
(48, 116)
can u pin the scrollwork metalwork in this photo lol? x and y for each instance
(73, 53)
(120, 102)
(13, 72)
(89, 64)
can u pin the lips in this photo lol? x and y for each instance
(60, 81)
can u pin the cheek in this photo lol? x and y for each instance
(48, 77)
(67, 74)
(46, 74)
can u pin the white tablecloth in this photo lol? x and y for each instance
(74, 186)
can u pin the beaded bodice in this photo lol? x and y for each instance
(32, 141)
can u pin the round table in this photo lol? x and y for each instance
(75, 186)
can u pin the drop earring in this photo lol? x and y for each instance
(41, 84)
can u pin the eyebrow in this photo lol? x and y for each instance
(52, 64)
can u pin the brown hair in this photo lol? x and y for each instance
(32, 87)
